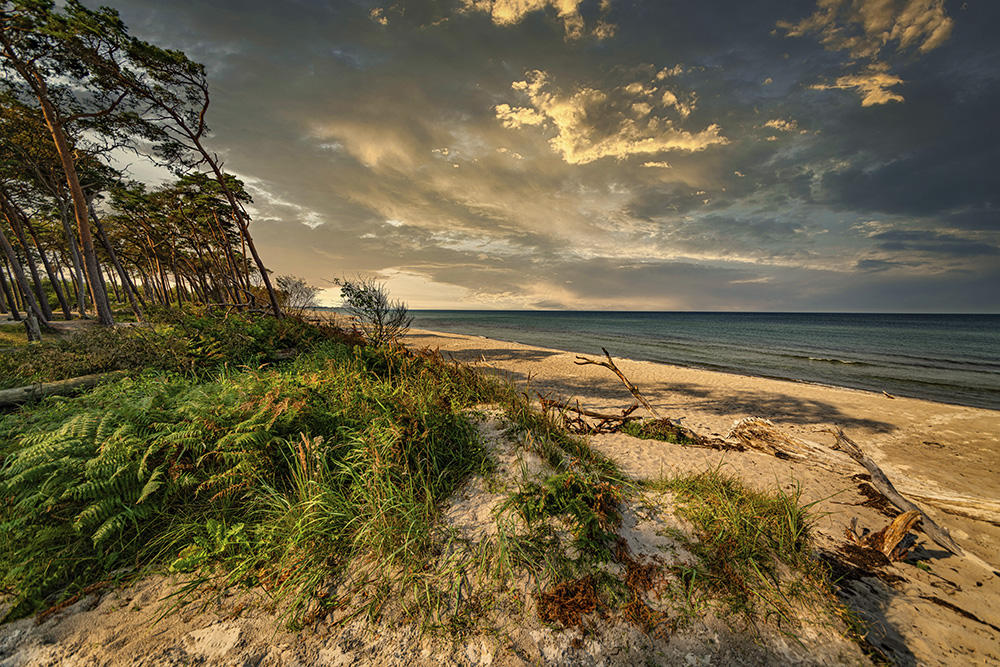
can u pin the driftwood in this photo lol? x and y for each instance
(892, 540)
(610, 365)
(18, 395)
(624, 416)
(885, 487)
(762, 435)
(609, 423)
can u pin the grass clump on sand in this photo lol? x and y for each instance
(752, 547)
(280, 473)
(658, 429)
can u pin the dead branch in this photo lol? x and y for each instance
(610, 365)
(885, 487)
(609, 423)
(624, 416)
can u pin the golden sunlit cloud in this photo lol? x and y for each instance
(511, 12)
(874, 30)
(873, 86)
(865, 28)
(782, 125)
(590, 124)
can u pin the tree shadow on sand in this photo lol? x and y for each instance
(776, 406)
(779, 407)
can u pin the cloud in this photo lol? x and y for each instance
(782, 125)
(874, 85)
(511, 12)
(874, 31)
(589, 123)
(927, 241)
(868, 28)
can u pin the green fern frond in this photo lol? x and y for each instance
(152, 485)
(96, 513)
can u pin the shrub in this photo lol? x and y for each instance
(380, 320)
(295, 295)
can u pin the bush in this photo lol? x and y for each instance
(380, 320)
(191, 340)
(295, 295)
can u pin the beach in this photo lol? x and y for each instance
(946, 458)
(934, 608)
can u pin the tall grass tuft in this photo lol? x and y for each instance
(753, 547)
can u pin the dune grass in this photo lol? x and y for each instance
(753, 547)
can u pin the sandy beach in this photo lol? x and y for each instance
(946, 458)
(935, 609)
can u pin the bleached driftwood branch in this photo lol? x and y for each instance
(610, 365)
(885, 487)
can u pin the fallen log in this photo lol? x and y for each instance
(18, 395)
(885, 487)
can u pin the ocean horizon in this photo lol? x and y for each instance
(949, 358)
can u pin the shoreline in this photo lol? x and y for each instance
(905, 358)
(928, 448)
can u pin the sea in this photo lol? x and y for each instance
(946, 358)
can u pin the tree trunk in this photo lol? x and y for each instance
(126, 282)
(11, 303)
(3, 299)
(54, 123)
(76, 275)
(19, 277)
(239, 214)
(14, 218)
(223, 241)
(53, 278)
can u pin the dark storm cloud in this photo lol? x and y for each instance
(587, 154)
(934, 242)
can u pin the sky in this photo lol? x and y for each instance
(818, 155)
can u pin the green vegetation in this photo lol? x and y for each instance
(378, 318)
(657, 429)
(346, 449)
(12, 335)
(321, 477)
(183, 341)
(752, 547)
